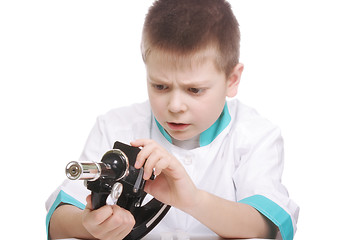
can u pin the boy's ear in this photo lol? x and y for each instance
(234, 80)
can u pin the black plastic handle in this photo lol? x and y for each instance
(98, 199)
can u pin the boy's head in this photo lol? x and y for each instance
(184, 28)
(191, 52)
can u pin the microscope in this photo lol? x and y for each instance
(115, 177)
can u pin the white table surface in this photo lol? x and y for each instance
(179, 235)
(175, 238)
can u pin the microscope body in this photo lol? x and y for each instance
(116, 177)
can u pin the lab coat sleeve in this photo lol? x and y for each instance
(122, 124)
(257, 180)
(74, 192)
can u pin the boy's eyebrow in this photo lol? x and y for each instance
(155, 79)
(196, 82)
(185, 83)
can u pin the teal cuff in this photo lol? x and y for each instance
(62, 197)
(273, 212)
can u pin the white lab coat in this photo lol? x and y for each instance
(243, 163)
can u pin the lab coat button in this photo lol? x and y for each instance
(187, 160)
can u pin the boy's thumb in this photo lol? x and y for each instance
(88, 203)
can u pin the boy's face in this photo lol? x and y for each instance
(187, 100)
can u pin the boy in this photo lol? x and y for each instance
(218, 163)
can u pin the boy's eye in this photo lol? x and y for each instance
(159, 87)
(195, 90)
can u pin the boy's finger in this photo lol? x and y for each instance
(100, 215)
(138, 142)
(139, 159)
(143, 155)
(150, 164)
(119, 224)
(160, 165)
(88, 202)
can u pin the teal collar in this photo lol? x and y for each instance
(209, 134)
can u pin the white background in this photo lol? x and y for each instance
(63, 63)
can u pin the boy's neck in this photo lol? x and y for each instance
(205, 137)
(187, 144)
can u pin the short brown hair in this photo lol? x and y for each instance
(185, 27)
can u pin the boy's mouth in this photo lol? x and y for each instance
(177, 126)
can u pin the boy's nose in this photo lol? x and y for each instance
(176, 103)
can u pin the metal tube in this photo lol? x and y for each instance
(83, 170)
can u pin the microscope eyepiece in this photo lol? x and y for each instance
(83, 171)
(114, 165)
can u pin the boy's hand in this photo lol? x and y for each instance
(172, 185)
(107, 222)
